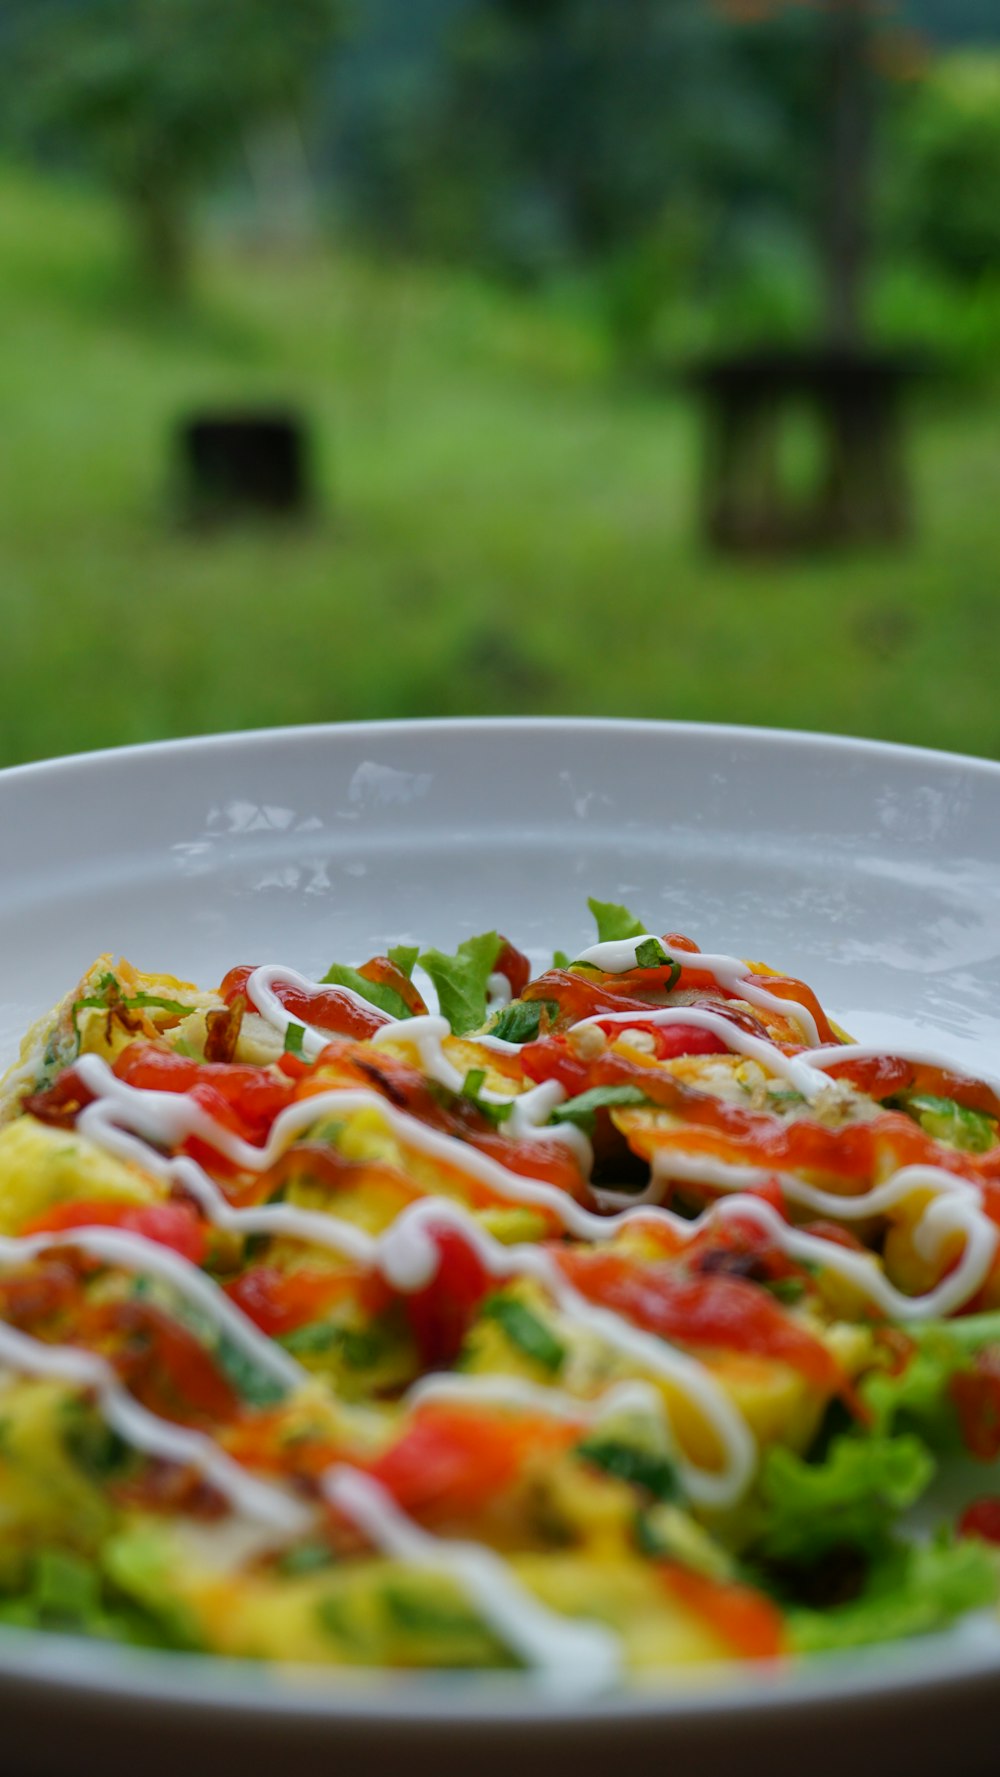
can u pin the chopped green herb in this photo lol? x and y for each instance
(525, 1330)
(650, 954)
(560, 960)
(787, 1289)
(109, 997)
(385, 998)
(91, 1443)
(472, 1087)
(614, 921)
(521, 1021)
(306, 1558)
(462, 980)
(67, 1589)
(628, 1462)
(253, 1384)
(360, 1348)
(948, 1121)
(309, 1340)
(294, 1034)
(582, 1109)
(423, 1614)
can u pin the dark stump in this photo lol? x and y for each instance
(242, 465)
(857, 489)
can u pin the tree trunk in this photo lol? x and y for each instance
(848, 171)
(161, 240)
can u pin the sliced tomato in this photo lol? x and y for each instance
(175, 1225)
(975, 1393)
(982, 1518)
(747, 1621)
(440, 1314)
(670, 1040)
(240, 1096)
(710, 1310)
(60, 1103)
(452, 1461)
(161, 1362)
(279, 1301)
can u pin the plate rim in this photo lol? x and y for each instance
(154, 1678)
(807, 738)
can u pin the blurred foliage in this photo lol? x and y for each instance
(662, 163)
(156, 96)
(673, 162)
(501, 526)
(944, 170)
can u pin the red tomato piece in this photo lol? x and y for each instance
(243, 1098)
(982, 1518)
(440, 1314)
(175, 1225)
(279, 1301)
(452, 1462)
(976, 1396)
(161, 1362)
(747, 1621)
(713, 1310)
(671, 1040)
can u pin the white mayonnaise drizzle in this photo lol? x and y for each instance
(170, 1118)
(133, 1252)
(953, 1208)
(406, 1253)
(408, 1256)
(409, 1260)
(145, 1431)
(572, 1655)
(799, 1073)
(632, 1398)
(617, 956)
(424, 1033)
(530, 1110)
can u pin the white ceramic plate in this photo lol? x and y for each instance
(871, 871)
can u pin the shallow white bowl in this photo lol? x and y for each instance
(871, 871)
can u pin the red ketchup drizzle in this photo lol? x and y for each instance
(328, 1008)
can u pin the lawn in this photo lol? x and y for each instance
(501, 527)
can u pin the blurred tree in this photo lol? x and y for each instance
(943, 203)
(156, 96)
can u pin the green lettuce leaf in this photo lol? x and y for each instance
(404, 956)
(526, 1330)
(917, 1397)
(849, 1500)
(582, 1109)
(385, 998)
(912, 1590)
(462, 980)
(614, 921)
(520, 1022)
(472, 1087)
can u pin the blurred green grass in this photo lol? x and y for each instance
(503, 528)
